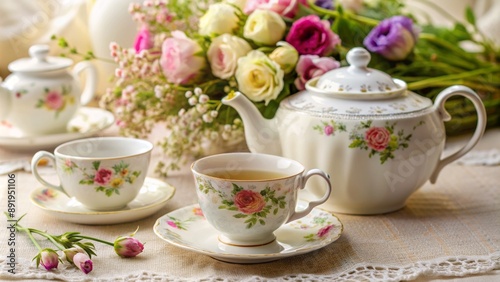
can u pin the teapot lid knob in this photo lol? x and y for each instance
(358, 57)
(39, 52)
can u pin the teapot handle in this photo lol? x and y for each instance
(90, 81)
(445, 116)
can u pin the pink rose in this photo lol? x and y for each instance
(102, 176)
(180, 59)
(311, 66)
(143, 40)
(54, 100)
(377, 138)
(311, 35)
(249, 202)
(286, 8)
(328, 130)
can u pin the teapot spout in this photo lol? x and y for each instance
(261, 134)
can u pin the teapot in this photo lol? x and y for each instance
(378, 141)
(40, 96)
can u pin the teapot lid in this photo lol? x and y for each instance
(39, 61)
(357, 81)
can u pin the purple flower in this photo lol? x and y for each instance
(325, 4)
(48, 258)
(128, 247)
(393, 38)
(83, 262)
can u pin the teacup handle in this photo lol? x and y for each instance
(480, 127)
(34, 168)
(299, 214)
(90, 81)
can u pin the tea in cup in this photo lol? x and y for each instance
(247, 196)
(104, 173)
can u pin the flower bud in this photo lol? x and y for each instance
(48, 258)
(83, 262)
(128, 247)
(286, 56)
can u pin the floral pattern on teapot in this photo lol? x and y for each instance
(383, 141)
(55, 100)
(248, 205)
(104, 179)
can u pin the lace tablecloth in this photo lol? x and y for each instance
(450, 229)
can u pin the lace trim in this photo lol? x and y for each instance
(447, 266)
(486, 157)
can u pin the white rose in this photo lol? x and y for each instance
(286, 56)
(224, 52)
(238, 3)
(259, 77)
(220, 18)
(264, 27)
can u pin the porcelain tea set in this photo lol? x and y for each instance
(378, 141)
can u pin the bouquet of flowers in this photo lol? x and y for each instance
(190, 54)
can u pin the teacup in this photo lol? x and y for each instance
(247, 196)
(102, 173)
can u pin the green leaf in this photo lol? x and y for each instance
(240, 215)
(96, 164)
(469, 16)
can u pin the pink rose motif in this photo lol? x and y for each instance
(102, 176)
(311, 66)
(179, 60)
(313, 36)
(328, 130)
(143, 40)
(324, 231)
(286, 8)
(249, 202)
(54, 100)
(377, 138)
(198, 212)
(172, 224)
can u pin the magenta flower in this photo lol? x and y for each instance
(128, 247)
(312, 36)
(143, 40)
(54, 100)
(311, 66)
(48, 258)
(393, 38)
(102, 176)
(172, 224)
(83, 262)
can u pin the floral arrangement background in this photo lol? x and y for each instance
(190, 54)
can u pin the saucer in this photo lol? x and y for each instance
(87, 122)
(151, 198)
(187, 228)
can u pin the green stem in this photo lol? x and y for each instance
(335, 14)
(49, 237)
(431, 81)
(95, 239)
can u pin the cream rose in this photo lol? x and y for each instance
(286, 56)
(259, 77)
(264, 27)
(220, 18)
(224, 52)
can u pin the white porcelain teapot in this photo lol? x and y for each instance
(40, 96)
(378, 141)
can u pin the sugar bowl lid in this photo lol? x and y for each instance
(357, 81)
(39, 61)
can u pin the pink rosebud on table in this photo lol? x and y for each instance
(128, 247)
(83, 262)
(48, 258)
